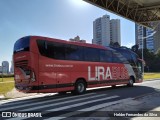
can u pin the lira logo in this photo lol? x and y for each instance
(106, 73)
(100, 72)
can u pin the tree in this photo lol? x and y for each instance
(134, 48)
(158, 53)
(111, 43)
(116, 44)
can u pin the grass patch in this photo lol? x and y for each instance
(7, 79)
(148, 76)
(6, 87)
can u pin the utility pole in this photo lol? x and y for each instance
(142, 58)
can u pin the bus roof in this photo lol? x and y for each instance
(68, 42)
(124, 49)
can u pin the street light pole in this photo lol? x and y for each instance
(142, 58)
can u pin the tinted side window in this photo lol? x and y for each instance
(105, 56)
(56, 50)
(126, 55)
(91, 54)
(134, 57)
(41, 47)
(51, 49)
(74, 52)
(116, 59)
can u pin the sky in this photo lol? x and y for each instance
(62, 19)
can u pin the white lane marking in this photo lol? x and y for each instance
(44, 102)
(83, 103)
(96, 107)
(69, 106)
(59, 103)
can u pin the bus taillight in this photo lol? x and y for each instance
(29, 74)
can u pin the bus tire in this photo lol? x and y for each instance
(80, 87)
(130, 82)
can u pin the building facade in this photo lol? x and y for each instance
(157, 39)
(12, 68)
(115, 34)
(101, 31)
(106, 31)
(5, 67)
(150, 37)
(140, 34)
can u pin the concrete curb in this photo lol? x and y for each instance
(37, 95)
(151, 79)
(2, 97)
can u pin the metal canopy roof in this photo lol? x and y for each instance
(145, 12)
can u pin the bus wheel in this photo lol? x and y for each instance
(80, 87)
(131, 82)
(113, 86)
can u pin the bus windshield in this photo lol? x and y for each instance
(22, 44)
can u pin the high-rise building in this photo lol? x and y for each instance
(101, 31)
(150, 39)
(140, 33)
(12, 67)
(149, 36)
(106, 30)
(157, 39)
(5, 67)
(115, 35)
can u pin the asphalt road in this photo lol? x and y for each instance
(56, 107)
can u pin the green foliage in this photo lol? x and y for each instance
(158, 53)
(134, 48)
(6, 76)
(152, 60)
(114, 44)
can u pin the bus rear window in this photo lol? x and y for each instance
(22, 44)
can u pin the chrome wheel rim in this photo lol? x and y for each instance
(131, 82)
(80, 87)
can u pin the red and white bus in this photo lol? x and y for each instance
(46, 65)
